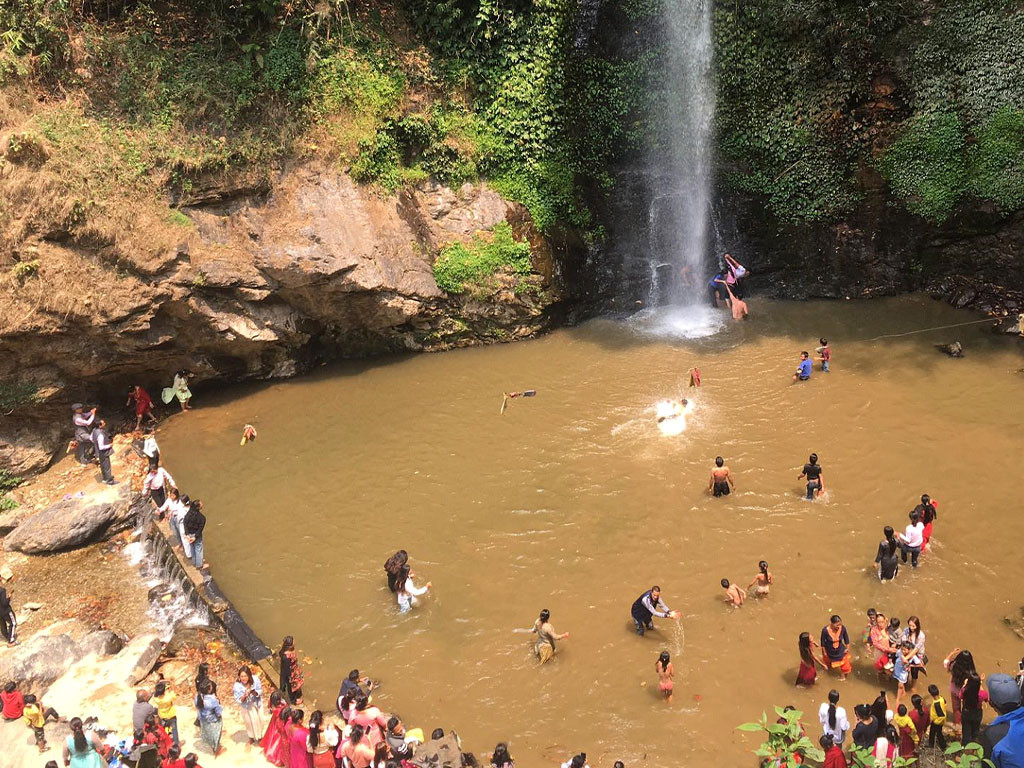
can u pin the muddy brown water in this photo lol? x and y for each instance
(574, 501)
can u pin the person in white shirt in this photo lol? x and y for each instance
(158, 481)
(150, 449)
(912, 539)
(408, 592)
(176, 510)
(579, 761)
(833, 718)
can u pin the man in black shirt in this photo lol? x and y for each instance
(815, 478)
(928, 510)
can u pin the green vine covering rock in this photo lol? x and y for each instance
(927, 165)
(8, 482)
(460, 267)
(810, 94)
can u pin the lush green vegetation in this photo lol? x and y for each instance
(454, 89)
(811, 93)
(462, 268)
(8, 482)
(811, 97)
(14, 395)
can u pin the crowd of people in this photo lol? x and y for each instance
(358, 734)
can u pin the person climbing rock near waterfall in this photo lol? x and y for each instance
(721, 478)
(734, 272)
(647, 606)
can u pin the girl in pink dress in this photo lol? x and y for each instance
(298, 755)
(273, 740)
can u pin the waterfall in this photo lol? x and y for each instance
(680, 161)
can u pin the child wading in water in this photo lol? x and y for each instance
(733, 594)
(807, 673)
(762, 581)
(824, 354)
(663, 666)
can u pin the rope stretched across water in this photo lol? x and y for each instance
(936, 328)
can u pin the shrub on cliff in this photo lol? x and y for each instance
(460, 267)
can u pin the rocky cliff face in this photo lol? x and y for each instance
(258, 281)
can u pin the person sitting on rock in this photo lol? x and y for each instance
(13, 702)
(36, 715)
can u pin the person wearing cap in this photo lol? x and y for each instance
(82, 421)
(1004, 698)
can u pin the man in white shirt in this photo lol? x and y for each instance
(912, 539)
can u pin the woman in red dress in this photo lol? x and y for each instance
(807, 673)
(273, 742)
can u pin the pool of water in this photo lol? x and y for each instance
(575, 501)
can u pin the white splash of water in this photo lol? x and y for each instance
(679, 322)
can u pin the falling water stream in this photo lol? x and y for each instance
(681, 160)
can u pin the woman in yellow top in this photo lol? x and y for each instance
(163, 700)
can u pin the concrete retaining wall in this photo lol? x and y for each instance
(202, 591)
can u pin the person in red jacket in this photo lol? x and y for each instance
(13, 702)
(143, 405)
(834, 757)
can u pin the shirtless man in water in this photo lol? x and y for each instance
(721, 478)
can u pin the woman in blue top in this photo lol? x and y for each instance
(81, 751)
(248, 693)
(211, 721)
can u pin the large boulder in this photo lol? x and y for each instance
(27, 447)
(38, 662)
(75, 521)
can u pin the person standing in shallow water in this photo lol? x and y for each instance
(763, 581)
(663, 666)
(886, 561)
(803, 370)
(546, 637)
(815, 477)
(393, 568)
(835, 646)
(721, 478)
(646, 607)
(807, 673)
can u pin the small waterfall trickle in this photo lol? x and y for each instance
(681, 162)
